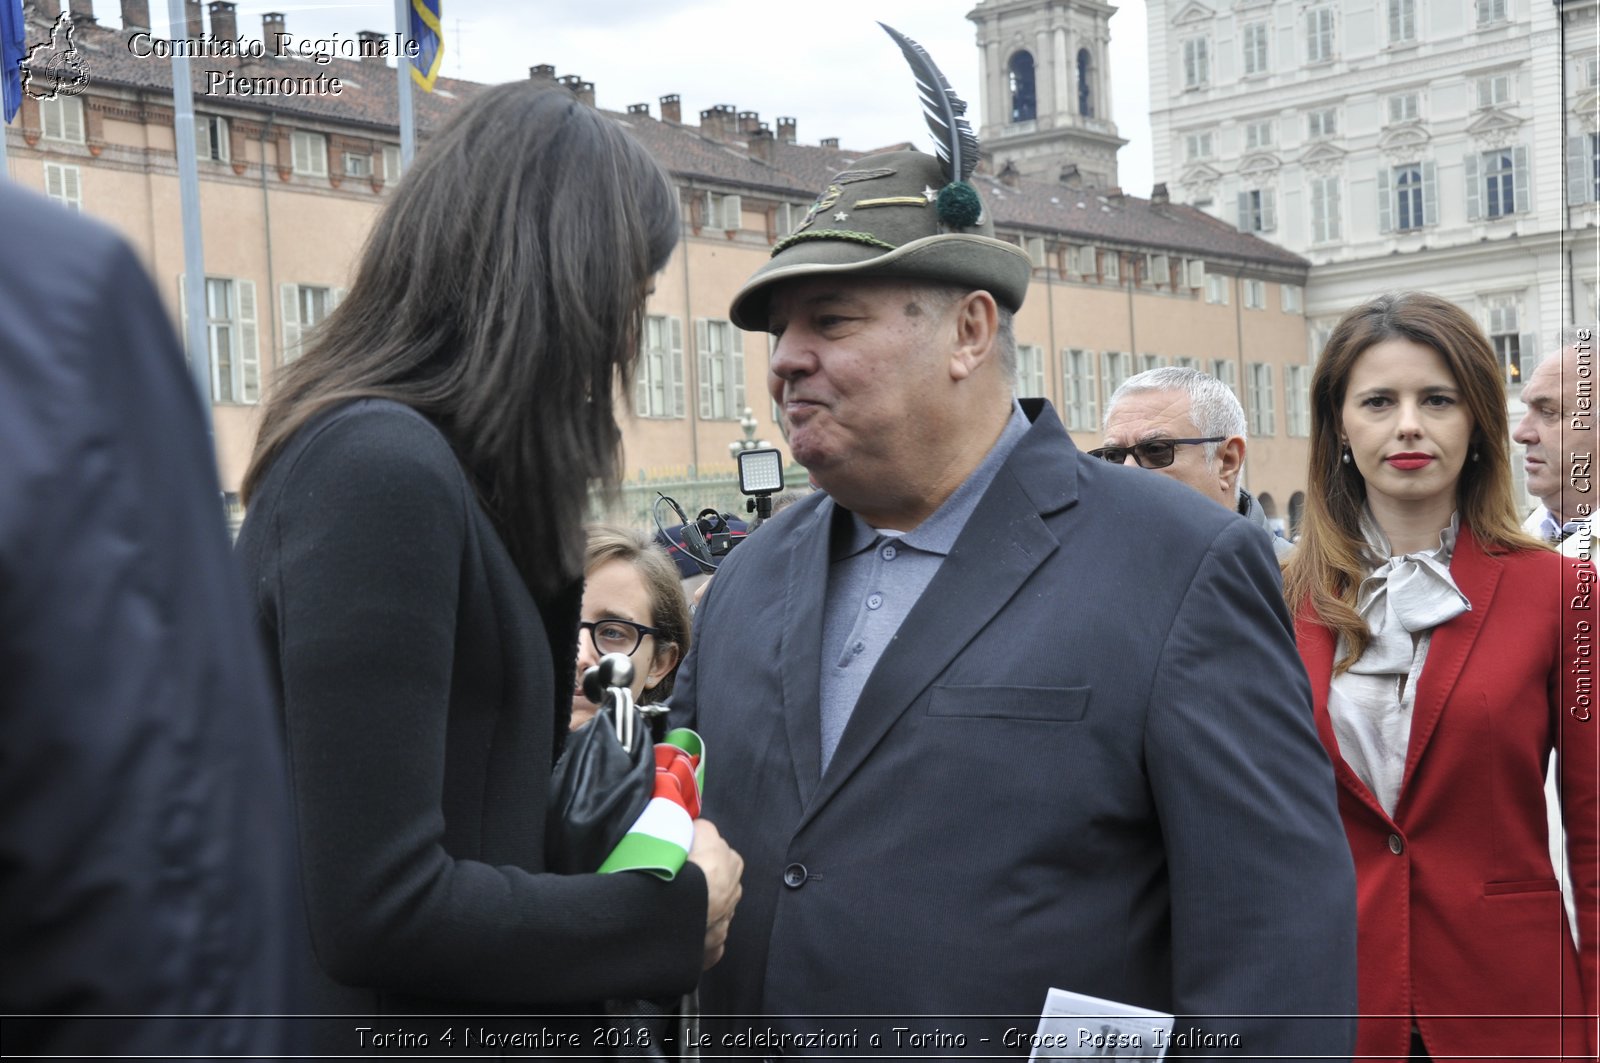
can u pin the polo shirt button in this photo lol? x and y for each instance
(889, 552)
(1396, 846)
(874, 600)
(794, 876)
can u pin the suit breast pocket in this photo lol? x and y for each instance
(1040, 704)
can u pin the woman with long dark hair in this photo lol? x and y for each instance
(415, 543)
(1438, 638)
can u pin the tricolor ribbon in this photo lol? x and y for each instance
(659, 840)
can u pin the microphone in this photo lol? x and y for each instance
(614, 670)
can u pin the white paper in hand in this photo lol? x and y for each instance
(1074, 1026)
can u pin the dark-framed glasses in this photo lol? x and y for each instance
(1152, 453)
(616, 636)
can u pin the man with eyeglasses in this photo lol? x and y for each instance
(992, 717)
(1191, 427)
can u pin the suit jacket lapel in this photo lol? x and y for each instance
(1476, 574)
(1002, 544)
(806, 585)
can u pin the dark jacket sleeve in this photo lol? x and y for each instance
(371, 532)
(1263, 886)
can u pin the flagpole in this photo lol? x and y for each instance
(402, 69)
(194, 267)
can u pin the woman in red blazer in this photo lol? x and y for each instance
(1449, 653)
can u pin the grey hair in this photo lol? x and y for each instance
(1581, 337)
(1213, 407)
(944, 296)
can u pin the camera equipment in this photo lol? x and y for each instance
(761, 477)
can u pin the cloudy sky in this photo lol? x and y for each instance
(828, 65)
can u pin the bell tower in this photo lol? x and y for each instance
(1045, 89)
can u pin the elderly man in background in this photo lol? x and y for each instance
(1558, 434)
(1189, 426)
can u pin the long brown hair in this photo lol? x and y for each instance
(501, 295)
(669, 607)
(1328, 564)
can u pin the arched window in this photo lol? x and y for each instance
(1024, 104)
(1085, 91)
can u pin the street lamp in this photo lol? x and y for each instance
(747, 422)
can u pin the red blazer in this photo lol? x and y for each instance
(1459, 911)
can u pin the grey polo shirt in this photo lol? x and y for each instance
(877, 574)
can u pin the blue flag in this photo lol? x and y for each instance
(427, 31)
(13, 50)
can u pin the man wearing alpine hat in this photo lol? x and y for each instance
(989, 716)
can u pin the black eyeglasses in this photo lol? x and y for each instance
(616, 636)
(1152, 453)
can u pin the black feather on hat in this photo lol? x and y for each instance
(901, 214)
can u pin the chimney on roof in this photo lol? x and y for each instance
(1158, 195)
(672, 109)
(786, 130)
(544, 72)
(135, 14)
(718, 122)
(1009, 175)
(272, 32)
(194, 18)
(749, 122)
(586, 92)
(761, 144)
(372, 48)
(82, 11)
(830, 142)
(224, 20)
(640, 109)
(1070, 176)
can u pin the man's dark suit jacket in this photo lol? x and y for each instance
(144, 845)
(1086, 761)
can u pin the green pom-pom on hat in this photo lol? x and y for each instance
(959, 206)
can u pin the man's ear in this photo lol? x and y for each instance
(1230, 459)
(977, 333)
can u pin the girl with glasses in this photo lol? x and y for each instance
(1439, 639)
(633, 604)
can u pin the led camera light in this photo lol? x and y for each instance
(760, 472)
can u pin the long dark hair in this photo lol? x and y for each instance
(1328, 564)
(501, 294)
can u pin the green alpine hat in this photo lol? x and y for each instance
(892, 215)
(901, 214)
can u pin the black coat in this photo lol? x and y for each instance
(423, 691)
(144, 840)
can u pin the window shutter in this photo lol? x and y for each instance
(249, 357)
(1244, 213)
(1269, 400)
(1269, 210)
(702, 343)
(1086, 261)
(736, 361)
(1197, 273)
(1519, 172)
(1469, 165)
(1430, 194)
(289, 304)
(1528, 353)
(675, 368)
(72, 119)
(1163, 270)
(183, 314)
(71, 190)
(641, 374)
(338, 297)
(54, 186)
(1580, 175)
(732, 208)
(1385, 200)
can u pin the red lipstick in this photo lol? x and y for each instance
(1409, 460)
